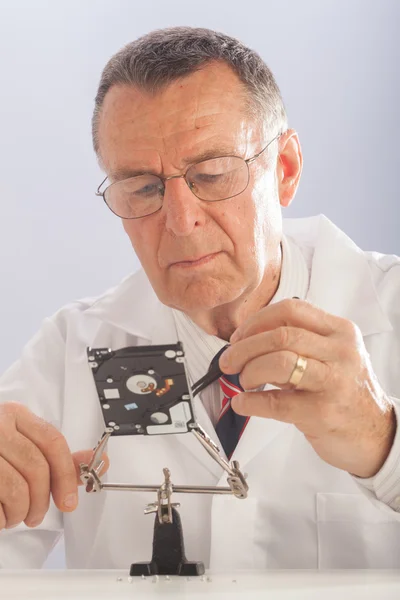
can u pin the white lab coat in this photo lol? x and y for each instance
(300, 513)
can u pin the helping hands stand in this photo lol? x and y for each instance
(168, 547)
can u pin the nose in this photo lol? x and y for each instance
(182, 210)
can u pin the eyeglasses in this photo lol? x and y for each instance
(210, 180)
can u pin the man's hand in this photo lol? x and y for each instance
(338, 405)
(35, 461)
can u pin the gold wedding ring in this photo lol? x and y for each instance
(298, 371)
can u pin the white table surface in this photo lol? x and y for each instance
(272, 585)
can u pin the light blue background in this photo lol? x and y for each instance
(336, 62)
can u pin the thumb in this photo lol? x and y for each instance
(85, 456)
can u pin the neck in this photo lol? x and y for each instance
(224, 319)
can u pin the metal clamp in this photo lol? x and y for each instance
(236, 480)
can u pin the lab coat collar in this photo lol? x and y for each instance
(338, 259)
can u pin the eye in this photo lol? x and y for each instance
(208, 177)
(148, 190)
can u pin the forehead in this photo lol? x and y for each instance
(197, 113)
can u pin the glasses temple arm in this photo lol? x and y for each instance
(98, 193)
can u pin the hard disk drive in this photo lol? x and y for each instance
(143, 390)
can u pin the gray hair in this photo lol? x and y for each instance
(155, 60)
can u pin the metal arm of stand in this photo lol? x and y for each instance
(90, 475)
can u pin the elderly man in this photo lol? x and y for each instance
(190, 129)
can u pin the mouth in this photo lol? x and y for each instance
(194, 262)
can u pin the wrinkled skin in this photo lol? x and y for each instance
(203, 113)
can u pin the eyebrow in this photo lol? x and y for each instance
(126, 173)
(121, 174)
(207, 154)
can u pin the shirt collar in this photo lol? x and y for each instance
(294, 279)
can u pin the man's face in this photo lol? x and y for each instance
(197, 255)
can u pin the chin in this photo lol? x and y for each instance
(200, 296)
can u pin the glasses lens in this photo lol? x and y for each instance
(218, 178)
(135, 197)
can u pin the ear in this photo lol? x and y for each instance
(289, 166)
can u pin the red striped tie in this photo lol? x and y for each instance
(230, 425)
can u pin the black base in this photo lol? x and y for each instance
(151, 568)
(168, 552)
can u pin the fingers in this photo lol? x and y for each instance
(54, 448)
(281, 405)
(296, 313)
(24, 499)
(3, 520)
(27, 460)
(35, 461)
(14, 495)
(297, 340)
(276, 369)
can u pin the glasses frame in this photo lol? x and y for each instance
(247, 161)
